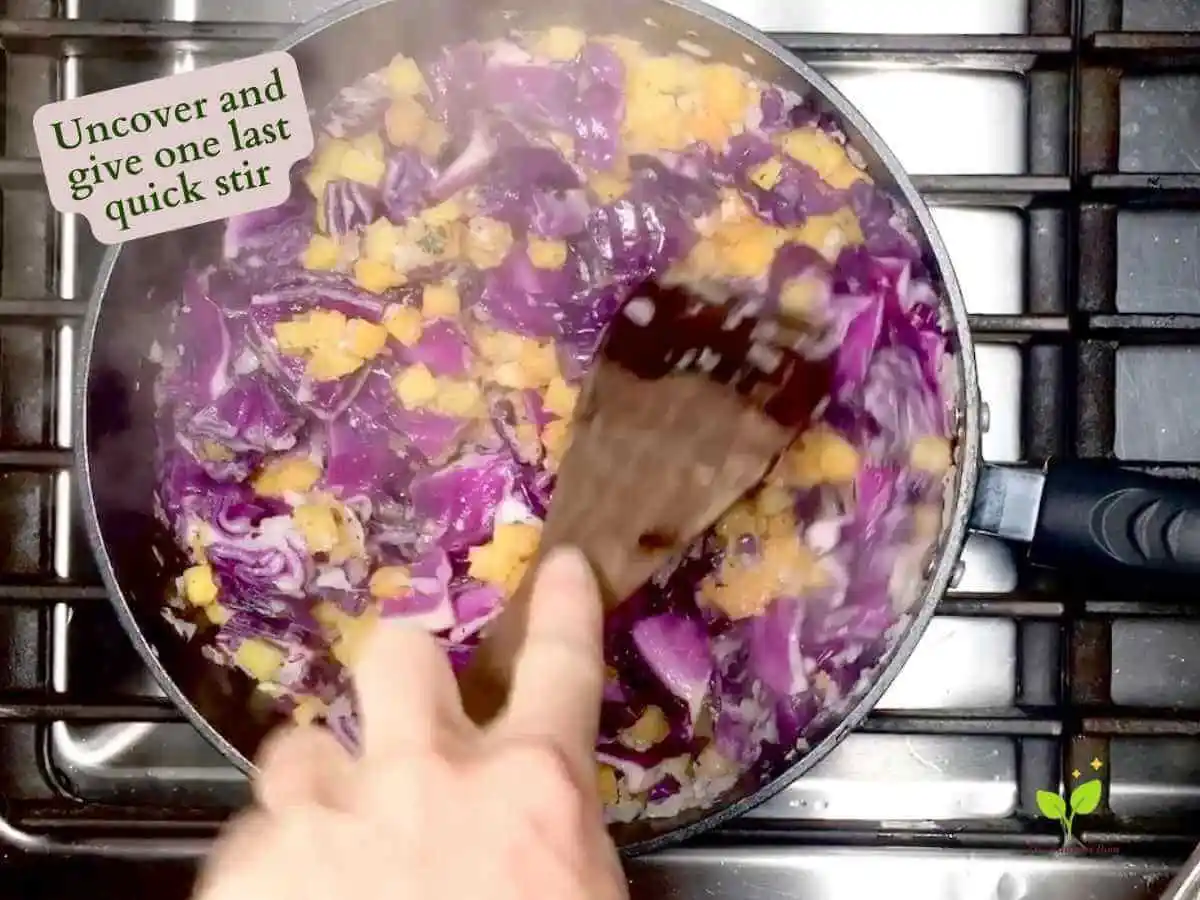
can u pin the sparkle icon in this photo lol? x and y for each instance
(1096, 764)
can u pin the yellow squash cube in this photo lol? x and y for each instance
(389, 581)
(284, 476)
(766, 175)
(415, 387)
(799, 297)
(404, 323)
(547, 254)
(815, 148)
(199, 586)
(376, 277)
(365, 339)
(404, 77)
(560, 398)
(518, 540)
(648, 730)
(443, 213)
(725, 91)
(260, 659)
(295, 336)
(488, 564)
(931, 454)
(317, 524)
(555, 438)
(405, 122)
(539, 360)
(560, 43)
(326, 164)
(667, 74)
(460, 398)
(380, 240)
(739, 521)
(329, 363)
(828, 235)
(606, 781)
(360, 166)
(217, 614)
(322, 253)
(438, 300)
(706, 126)
(433, 138)
(488, 242)
(821, 456)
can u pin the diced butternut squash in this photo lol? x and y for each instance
(199, 586)
(405, 324)
(389, 581)
(547, 254)
(404, 77)
(415, 386)
(260, 659)
(284, 476)
(322, 253)
(439, 300)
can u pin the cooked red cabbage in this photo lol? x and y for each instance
(365, 401)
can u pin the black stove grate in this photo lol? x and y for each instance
(1074, 64)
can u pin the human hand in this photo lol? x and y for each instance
(435, 807)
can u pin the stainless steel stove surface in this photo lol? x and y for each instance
(1060, 149)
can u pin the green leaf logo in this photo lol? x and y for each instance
(1051, 805)
(1085, 798)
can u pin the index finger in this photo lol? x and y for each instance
(407, 695)
(558, 675)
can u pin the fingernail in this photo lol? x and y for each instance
(569, 564)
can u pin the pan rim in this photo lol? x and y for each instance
(945, 555)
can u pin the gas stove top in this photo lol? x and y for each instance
(1060, 149)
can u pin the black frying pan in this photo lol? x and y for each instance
(1076, 512)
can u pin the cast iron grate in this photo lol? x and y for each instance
(1072, 63)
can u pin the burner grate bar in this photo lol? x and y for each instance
(21, 172)
(970, 189)
(1142, 723)
(35, 706)
(1144, 50)
(1147, 187)
(49, 592)
(49, 311)
(1014, 834)
(997, 722)
(1015, 191)
(35, 459)
(57, 29)
(1161, 326)
(1008, 606)
(946, 45)
(1016, 51)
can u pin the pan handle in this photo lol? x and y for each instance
(1088, 513)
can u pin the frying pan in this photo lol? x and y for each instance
(1069, 512)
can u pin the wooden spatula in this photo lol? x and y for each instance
(690, 402)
